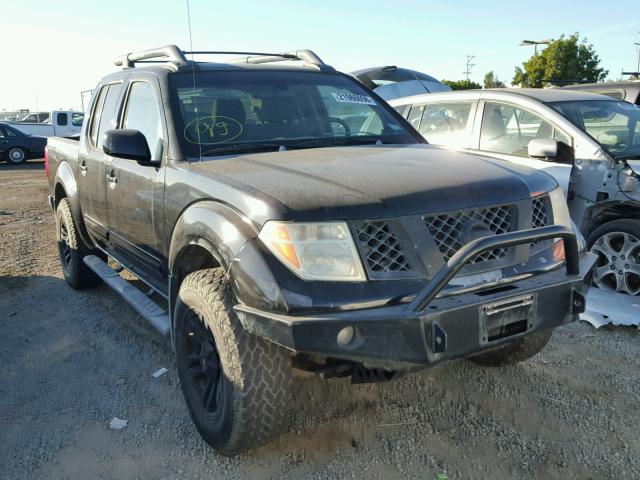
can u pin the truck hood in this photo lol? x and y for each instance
(373, 181)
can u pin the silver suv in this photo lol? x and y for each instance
(590, 143)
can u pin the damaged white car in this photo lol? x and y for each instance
(590, 143)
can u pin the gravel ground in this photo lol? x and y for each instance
(71, 361)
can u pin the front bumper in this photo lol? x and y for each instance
(430, 329)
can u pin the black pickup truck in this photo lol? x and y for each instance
(286, 217)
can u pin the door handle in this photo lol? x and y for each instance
(83, 167)
(112, 179)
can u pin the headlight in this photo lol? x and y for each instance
(582, 243)
(315, 251)
(561, 217)
(559, 207)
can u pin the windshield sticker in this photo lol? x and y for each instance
(352, 98)
(212, 130)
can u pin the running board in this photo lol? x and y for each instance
(142, 304)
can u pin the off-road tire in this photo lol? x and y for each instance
(252, 406)
(514, 352)
(72, 250)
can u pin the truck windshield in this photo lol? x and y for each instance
(235, 111)
(613, 124)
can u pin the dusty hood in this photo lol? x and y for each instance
(375, 181)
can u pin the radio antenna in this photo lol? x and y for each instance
(193, 73)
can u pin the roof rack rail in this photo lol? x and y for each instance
(307, 56)
(169, 53)
(172, 54)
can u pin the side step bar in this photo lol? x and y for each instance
(147, 308)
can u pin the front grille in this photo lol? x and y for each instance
(540, 215)
(380, 247)
(448, 230)
(539, 212)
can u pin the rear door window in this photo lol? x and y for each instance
(415, 115)
(96, 113)
(402, 109)
(109, 118)
(446, 123)
(8, 132)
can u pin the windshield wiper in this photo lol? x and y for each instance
(292, 145)
(242, 148)
(334, 142)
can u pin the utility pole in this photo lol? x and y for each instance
(469, 65)
(635, 75)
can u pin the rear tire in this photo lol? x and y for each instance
(514, 352)
(17, 155)
(236, 385)
(72, 250)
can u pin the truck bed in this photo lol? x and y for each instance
(40, 129)
(61, 150)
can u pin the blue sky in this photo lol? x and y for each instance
(64, 46)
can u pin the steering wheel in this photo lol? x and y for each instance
(347, 130)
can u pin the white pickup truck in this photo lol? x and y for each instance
(61, 123)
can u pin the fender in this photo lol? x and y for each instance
(213, 225)
(66, 178)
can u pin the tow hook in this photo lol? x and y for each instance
(436, 338)
(578, 302)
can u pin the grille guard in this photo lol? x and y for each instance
(481, 245)
(428, 330)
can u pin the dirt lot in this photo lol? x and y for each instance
(71, 361)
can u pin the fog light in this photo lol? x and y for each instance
(345, 337)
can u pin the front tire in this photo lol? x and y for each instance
(617, 244)
(72, 250)
(236, 385)
(17, 155)
(515, 352)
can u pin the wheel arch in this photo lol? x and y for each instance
(207, 234)
(66, 186)
(26, 150)
(619, 211)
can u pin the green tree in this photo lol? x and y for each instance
(564, 61)
(462, 84)
(492, 81)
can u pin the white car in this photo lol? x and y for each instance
(590, 143)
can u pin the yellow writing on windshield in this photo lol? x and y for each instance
(212, 130)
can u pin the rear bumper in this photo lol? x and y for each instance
(431, 329)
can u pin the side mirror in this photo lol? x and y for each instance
(543, 148)
(127, 143)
